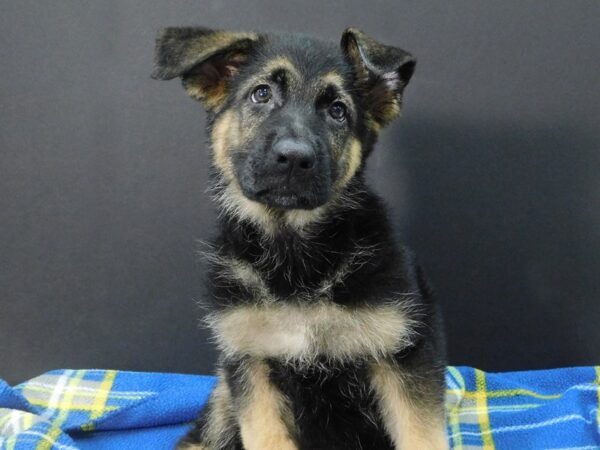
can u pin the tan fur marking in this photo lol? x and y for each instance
(300, 332)
(300, 218)
(218, 430)
(281, 62)
(353, 161)
(409, 427)
(223, 135)
(264, 413)
(219, 422)
(277, 63)
(247, 275)
(372, 123)
(226, 135)
(211, 96)
(234, 201)
(333, 78)
(389, 112)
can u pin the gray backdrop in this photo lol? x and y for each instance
(493, 174)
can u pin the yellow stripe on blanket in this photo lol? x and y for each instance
(105, 387)
(482, 413)
(99, 407)
(507, 393)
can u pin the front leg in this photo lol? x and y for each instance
(244, 406)
(413, 414)
(216, 428)
(265, 418)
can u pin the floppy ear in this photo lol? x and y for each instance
(382, 72)
(204, 59)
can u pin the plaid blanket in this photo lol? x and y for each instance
(107, 409)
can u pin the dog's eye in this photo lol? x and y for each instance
(337, 110)
(261, 94)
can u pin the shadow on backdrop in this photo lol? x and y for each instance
(504, 217)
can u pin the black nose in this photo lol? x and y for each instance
(294, 155)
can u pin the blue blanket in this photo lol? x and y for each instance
(106, 409)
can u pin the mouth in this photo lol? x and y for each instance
(281, 192)
(282, 199)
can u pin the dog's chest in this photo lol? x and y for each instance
(307, 327)
(305, 332)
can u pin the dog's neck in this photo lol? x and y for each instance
(348, 238)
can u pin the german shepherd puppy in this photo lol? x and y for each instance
(329, 336)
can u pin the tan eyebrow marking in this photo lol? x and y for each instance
(333, 78)
(272, 66)
(279, 63)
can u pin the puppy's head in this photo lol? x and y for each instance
(292, 118)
